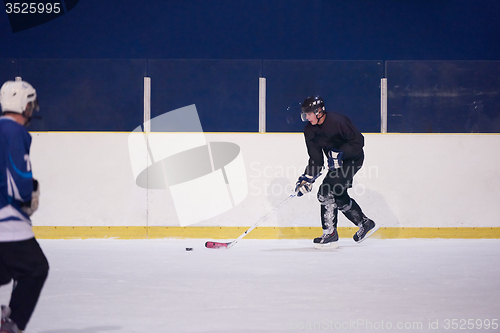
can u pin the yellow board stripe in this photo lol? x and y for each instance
(257, 233)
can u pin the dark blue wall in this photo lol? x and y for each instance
(443, 96)
(265, 29)
(107, 94)
(88, 64)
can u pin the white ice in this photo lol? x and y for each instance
(416, 285)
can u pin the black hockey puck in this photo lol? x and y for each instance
(189, 249)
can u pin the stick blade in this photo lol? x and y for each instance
(216, 245)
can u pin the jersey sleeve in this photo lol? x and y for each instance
(316, 158)
(354, 140)
(19, 175)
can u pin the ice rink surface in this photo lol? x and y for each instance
(414, 285)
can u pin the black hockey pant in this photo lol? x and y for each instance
(25, 263)
(333, 196)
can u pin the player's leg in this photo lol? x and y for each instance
(343, 178)
(8, 326)
(333, 183)
(29, 268)
(5, 277)
(336, 183)
(329, 214)
(350, 208)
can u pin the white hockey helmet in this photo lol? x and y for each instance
(16, 95)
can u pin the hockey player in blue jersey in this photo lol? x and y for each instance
(21, 258)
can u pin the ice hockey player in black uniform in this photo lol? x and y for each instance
(333, 135)
(21, 258)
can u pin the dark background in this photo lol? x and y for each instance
(265, 29)
(87, 65)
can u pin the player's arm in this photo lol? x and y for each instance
(354, 141)
(313, 169)
(316, 158)
(22, 187)
(19, 171)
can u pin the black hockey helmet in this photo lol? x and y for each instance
(314, 104)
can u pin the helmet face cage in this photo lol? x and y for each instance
(314, 104)
(33, 106)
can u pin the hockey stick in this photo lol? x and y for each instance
(219, 245)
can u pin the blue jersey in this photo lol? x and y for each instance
(16, 180)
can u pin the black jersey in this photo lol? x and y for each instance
(337, 132)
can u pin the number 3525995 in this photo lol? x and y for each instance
(32, 8)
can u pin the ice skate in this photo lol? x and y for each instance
(329, 240)
(366, 229)
(7, 325)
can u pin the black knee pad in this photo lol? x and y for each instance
(327, 199)
(343, 202)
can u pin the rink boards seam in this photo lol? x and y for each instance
(120, 232)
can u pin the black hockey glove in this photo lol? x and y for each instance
(334, 159)
(31, 206)
(304, 184)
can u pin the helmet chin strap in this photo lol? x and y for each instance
(322, 115)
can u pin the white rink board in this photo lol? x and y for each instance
(408, 180)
